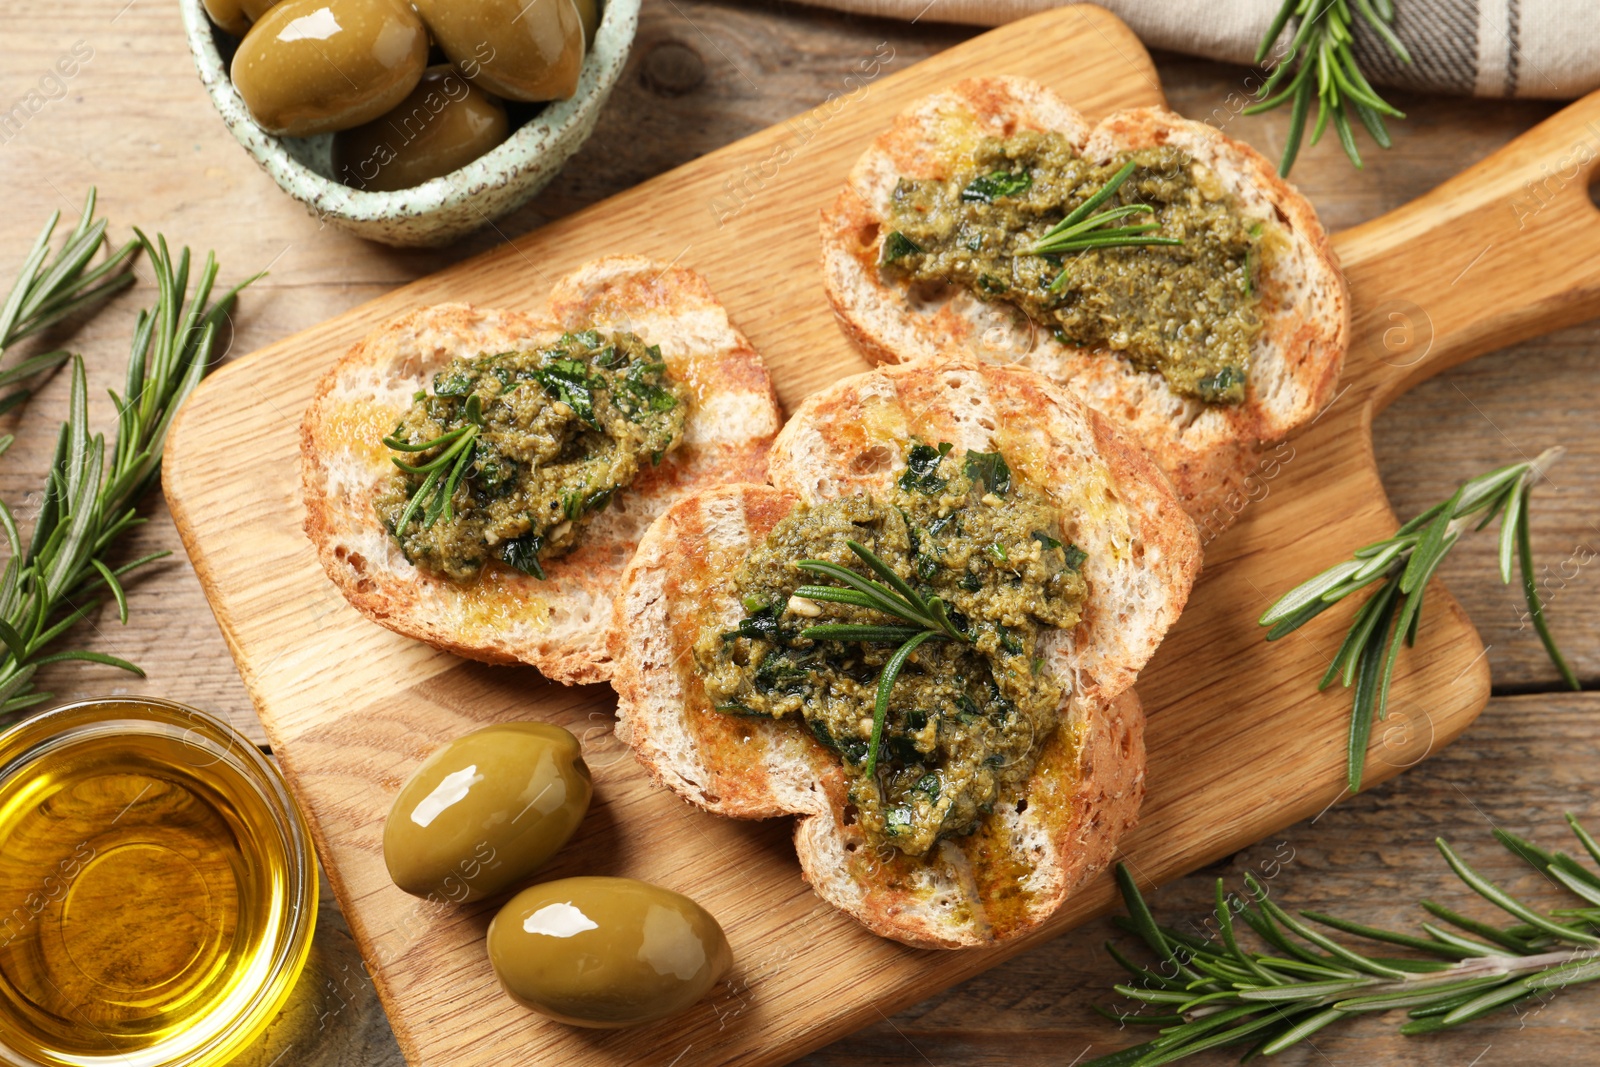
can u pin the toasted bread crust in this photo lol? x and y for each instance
(1207, 451)
(557, 625)
(1025, 859)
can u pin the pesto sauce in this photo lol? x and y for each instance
(561, 430)
(1187, 312)
(965, 722)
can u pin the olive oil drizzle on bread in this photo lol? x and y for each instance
(1207, 450)
(558, 625)
(1026, 858)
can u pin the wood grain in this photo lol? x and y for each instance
(1525, 762)
(1273, 762)
(137, 123)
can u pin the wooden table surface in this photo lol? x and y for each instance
(135, 121)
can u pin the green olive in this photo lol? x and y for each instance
(517, 49)
(486, 811)
(606, 952)
(316, 66)
(589, 14)
(442, 126)
(229, 15)
(254, 9)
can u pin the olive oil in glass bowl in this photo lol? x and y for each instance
(158, 888)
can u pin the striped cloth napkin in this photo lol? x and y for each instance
(1529, 48)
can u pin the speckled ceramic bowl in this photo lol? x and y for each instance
(443, 209)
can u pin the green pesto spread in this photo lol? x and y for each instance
(965, 721)
(1187, 311)
(558, 431)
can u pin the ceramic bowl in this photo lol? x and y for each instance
(438, 211)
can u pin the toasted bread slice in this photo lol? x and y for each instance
(1023, 861)
(1207, 450)
(558, 624)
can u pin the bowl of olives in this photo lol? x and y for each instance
(410, 122)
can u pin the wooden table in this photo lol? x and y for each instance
(135, 121)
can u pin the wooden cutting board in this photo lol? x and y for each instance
(1241, 743)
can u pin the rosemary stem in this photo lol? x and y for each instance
(1496, 966)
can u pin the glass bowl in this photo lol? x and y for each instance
(158, 888)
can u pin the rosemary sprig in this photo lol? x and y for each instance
(1085, 228)
(1327, 70)
(65, 573)
(48, 289)
(925, 618)
(1403, 564)
(457, 450)
(444, 472)
(1214, 993)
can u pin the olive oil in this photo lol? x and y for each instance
(147, 890)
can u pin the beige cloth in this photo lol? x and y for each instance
(1529, 48)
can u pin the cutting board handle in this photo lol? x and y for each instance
(1507, 250)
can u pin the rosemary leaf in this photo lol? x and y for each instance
(1501, 899)
(1530, 591)
(1508, 532)
(1346, 661)
(1484, 1003)
(887, 574)
(1590, 845)
(1368, 672)
(871, 634)
(886, 680)
(1145, 923)
(1473, 926)
(1309, 593)
(1224, 913)
(1372, 933)
(1575, 883)
(1301, 1030)
(1148, 979)
(834, 595)
(1328, 944)
(1574, 973)
(881, 597)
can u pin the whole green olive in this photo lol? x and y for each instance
(254, 9)
(316, 66)
(229, 15)
(442, 126)
(486, 811)
(606, 952)
(589, 15)
(517, 49)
